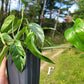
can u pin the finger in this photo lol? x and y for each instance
(6, 81)
(3, 65)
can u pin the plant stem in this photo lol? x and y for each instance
(26, 20)
(3, 50)
(22, 17)
(12, 30)
(26, 31)
(56, 47)
(3, 53)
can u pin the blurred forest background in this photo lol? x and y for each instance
(48, 13)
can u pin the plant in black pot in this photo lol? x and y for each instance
(20, 45)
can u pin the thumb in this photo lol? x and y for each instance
(3, 66)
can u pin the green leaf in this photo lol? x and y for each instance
(18, 55)
(7, 38)
(79, 28)
(16, 25)
(74, 39)
(1, 37)
(3, 53)
(31, 46)
(38, 31)
(7, 23)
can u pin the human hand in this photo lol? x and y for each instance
(3, 78)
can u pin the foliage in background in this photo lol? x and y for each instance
(33, 11)
(79, 13)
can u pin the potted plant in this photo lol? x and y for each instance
(20, 45)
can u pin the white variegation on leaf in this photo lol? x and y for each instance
(38, 31)
(7, 22)
(18, 55)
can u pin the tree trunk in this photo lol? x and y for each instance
(9, 6)
(6, 6)
(43, 12)
(2, 11)
(57, 20)
(50, 14)
(2, 6)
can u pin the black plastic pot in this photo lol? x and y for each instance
(30, 74)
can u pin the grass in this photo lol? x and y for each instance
(69, 69)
